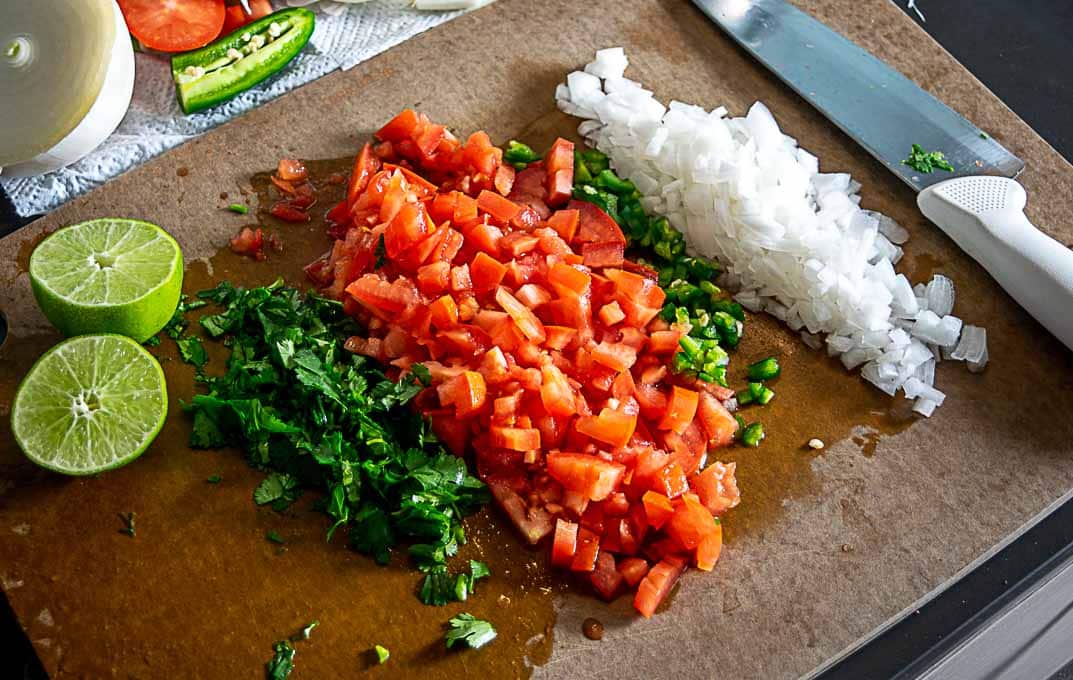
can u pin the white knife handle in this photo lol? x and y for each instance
(985, 217)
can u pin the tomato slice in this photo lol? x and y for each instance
(174, 25)
(594, 225)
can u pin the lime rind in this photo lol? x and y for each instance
(91, 403)
(108, 275)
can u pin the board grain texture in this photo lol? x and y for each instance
(825, 548)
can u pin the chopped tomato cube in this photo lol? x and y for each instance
(611, 314)
(658, 508)
(603, 254)
(444, 312)
(588, 548)
(559, 165)
(717, 488)
(611, 427)
(466, 392)
(399, 128)
(504, 179)
(515, 438)
(558, 336)
(486, 272)
(633, 569)
(564, 545)
(690, 522)
(591, 476)
(709, 548)
(564, 222)
(522, 315)
(605, 577)
(568, 281)
(681, 408)
(533, 523)
(555, 391)
(502, 209)
(594, 225)
(657, 585)
(616, 356)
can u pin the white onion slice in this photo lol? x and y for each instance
(66, 78)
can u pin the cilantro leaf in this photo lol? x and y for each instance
(274, 537)
(439, 587)
(276, 487)
(192, 351)
(468, 630)
(927, 161)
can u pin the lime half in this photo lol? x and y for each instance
(108, 275)
(91, 403)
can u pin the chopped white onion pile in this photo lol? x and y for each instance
(794, 241)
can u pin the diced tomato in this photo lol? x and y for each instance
(658, 508)
(594, 225)
(249, 242)
(504, 179)
(515, 438)
(605, 577)
(291, 170)
(681, 408)
(399, 128)
(611, 314)
(444, 312)
(288, 212)
(633, 569)
(433, 278)
(559, 168)
(564, 545)
(637, 288)
(502, 209)
(565, 222)
(466, 392)
(588, 549)
(717, 487)
(555, 391)
(616, 356)
(590, 476)
(408, 226)
(522, 315)
(603, 254)
(611, 427)
(465, 208)
(533, 523)
(559, 337)
(568, 281)
(709, 548)
(690, 523)
(719, 424)
(657, 585)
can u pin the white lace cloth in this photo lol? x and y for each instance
(345, 35)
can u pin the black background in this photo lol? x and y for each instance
(1023, 51)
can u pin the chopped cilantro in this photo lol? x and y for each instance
(274, 537)
(152, 342)
(927, 161)
(214, 479)
(192, 351)
(128, 523)
(312, 414)
(439, 587)
(466, 629)
(282, 663)
(382, 654)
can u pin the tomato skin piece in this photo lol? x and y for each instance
(633, 569)
(658, 508)
(681, 408)
(605, 578)
(564, 544)
(611, 427)
(588, 550)
(291, 170)
(175, 26)
(657, 585)
(591, 476)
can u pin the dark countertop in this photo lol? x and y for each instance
(1023, 52)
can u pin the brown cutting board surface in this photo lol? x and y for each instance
(825, 547)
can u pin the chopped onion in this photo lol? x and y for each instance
(795, 241)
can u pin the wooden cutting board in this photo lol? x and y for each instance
(825, 548)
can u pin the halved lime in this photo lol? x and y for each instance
(109, 275)
(91, 403)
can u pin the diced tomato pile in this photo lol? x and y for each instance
(547, 356)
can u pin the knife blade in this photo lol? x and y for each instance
(877, 106)
(979, 205)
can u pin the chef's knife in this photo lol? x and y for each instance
(979, 205)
